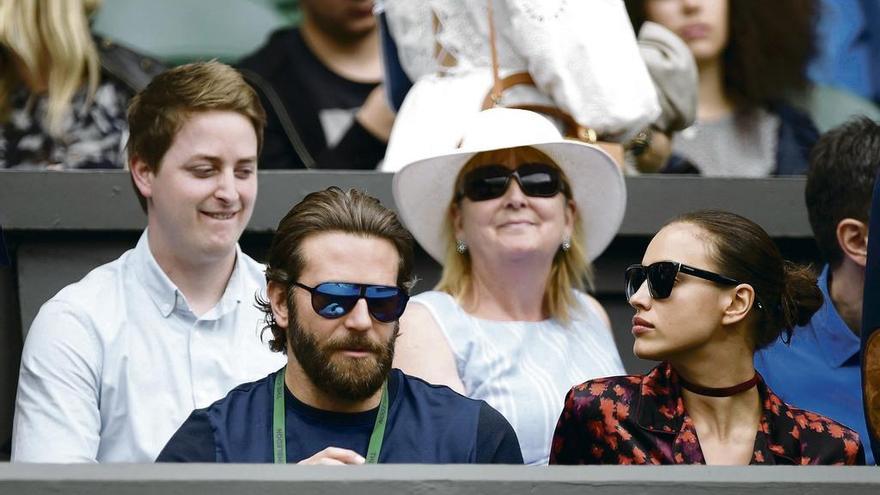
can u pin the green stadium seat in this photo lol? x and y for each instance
(830, 107)
(179, 31)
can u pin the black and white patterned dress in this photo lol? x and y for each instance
(93, 136)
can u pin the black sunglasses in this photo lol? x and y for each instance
(661, 277)
(336, 299)
(491, 181)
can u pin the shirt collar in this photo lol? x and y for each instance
(234, 294)
(661, 410)
(838, 342)
(166, 296)
(777, 441)
(394, 382)
(159, 287)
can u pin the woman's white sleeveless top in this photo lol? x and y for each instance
(524, 369)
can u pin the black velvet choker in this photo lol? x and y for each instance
(720, 391)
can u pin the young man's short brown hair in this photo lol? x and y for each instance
(157, 113)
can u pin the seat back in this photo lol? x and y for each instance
(179, 31)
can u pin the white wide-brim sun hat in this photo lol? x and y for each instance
(423, 190)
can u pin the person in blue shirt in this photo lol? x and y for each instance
(339, 272)
(817, 366)
(848, 38)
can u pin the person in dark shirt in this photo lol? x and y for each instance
(321, 86)
(339, 272)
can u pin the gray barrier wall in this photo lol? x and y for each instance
(58, 226)
(39, 479)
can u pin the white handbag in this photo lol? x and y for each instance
(581, 57)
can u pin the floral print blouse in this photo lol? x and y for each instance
(641, 419)
(93, 136)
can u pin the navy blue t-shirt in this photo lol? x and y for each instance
(427, 423)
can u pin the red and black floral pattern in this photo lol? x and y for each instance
(642, 420)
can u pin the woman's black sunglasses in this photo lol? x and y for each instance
(661, 277)
(491, 181)
(336, 299)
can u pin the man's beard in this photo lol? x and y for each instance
(349, 379)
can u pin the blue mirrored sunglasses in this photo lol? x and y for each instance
(336, 299)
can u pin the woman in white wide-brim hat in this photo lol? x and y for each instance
(515, 216)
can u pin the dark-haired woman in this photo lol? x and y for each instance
(712, 287)
(750, 55)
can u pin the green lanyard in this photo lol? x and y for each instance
(280, 436)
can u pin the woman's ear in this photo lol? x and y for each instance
(742, 300)
(852, 237)
(457, 229)
(278, 299)
(570, 215)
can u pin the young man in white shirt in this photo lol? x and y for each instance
(114, 363)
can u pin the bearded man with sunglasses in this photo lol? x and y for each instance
(339, 272)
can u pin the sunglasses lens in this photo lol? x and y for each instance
(661, 278)
(538, 179)
(336, 299)
(486, 183)
(333, 300)
(635, 277)
(386, 303)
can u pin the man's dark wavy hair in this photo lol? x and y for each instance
(330, 210)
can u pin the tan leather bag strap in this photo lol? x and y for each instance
(495, 94)
(572, 128)
(493, 98)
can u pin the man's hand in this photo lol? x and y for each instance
(654, 158)
(333, 456)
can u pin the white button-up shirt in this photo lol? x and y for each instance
(114, 363)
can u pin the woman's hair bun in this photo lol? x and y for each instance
(800, 297)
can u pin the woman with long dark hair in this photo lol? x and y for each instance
(750, 55)
(712, 287)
